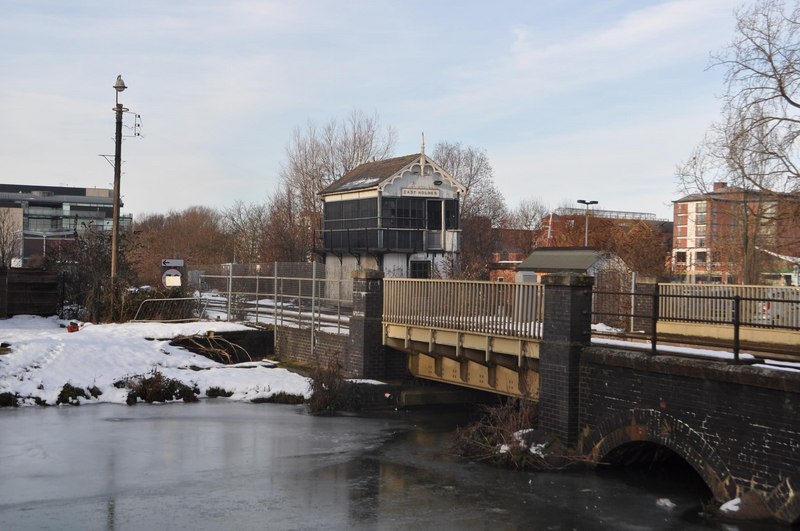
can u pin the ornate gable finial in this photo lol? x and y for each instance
(422, 156)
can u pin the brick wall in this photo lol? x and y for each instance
(294, 344)
(361, 353)
(737, 425)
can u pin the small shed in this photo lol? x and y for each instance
(611, 275)
(584, 260)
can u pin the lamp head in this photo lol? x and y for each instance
(119, 86)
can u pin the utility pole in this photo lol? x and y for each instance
(119, 86)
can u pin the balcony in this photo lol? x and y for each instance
(380, 240)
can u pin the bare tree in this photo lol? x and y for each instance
(470, 166)
(10, 226)
(528, 215)
(762, 90)
(482, 205)
(288, 238)
(195, 234)
(736, 151)
(247, 226)
(317, 156)
(753, 146)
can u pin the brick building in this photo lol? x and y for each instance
(733, 235)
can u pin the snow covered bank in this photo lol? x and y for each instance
(44, 357)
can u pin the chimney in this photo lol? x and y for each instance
(720, 185)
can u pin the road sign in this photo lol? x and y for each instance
(172, 262)
(171, 278)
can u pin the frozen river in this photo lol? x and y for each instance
(223, 465)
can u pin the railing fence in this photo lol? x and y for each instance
(495, 308)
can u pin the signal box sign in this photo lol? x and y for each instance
(172, 262)
(171, 278)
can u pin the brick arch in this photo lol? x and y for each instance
(784, 500)
(659, 427)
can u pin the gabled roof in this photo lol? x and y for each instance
(370, 174)
(560, 259)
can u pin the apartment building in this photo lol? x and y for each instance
(734, 235)
(39, 217)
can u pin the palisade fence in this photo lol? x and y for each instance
(495, 308)
(759, 306)
(279, 293)
(755, 306)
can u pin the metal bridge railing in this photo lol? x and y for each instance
(762, 307)
(493, 308)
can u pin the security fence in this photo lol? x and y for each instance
(280, 293)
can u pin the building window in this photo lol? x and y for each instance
(420, 269)
(700, 219)
(403, 213)
(700, 208)
(680, 257)
(451, 214)
(353, 214)
(701, 257)
(700, 230)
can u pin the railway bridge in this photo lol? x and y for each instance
(736, 424)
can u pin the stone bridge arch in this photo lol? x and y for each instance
(662, 428)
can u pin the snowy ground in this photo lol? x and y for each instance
(44, 357)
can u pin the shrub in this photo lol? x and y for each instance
(280, 398)
(69, 395)
(330, 392)
(503, 436)
(215, 392)
(159, 388)
(8, 400)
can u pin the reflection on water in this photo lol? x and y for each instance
(222, 465)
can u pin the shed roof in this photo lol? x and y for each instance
(558, 259)
(370, 174)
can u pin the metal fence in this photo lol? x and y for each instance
(496, 308)
(172, 310)
(764, 307)
(758, 306)
(282, 294)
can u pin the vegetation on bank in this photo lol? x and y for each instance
(330, 391)
(505, 435)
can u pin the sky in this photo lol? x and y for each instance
(570, 99)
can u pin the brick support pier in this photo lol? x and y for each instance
(366, 325)
(567, 330)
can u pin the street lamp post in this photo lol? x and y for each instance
(586, 225)
(119, 86)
